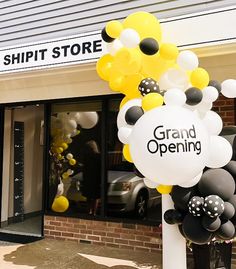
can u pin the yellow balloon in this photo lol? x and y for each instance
(199, 78)
(114, 28)
(64, 145)
(154, 66)
(65, 175)
(116, 81)
(164, 189)
(152, 100)
(59, 150)
(72, 161)
(126, 153)
(127, 61)
(169, 51)
(145, 24)
(59, 156)
(131, 83)
(124, 101)
(103, 66)
(60, 204)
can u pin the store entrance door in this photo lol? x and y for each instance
(22, 173)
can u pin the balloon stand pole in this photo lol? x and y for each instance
(173, 243)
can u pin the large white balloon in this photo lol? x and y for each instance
(212, 122)
(174, 97)
(169, 144)
(220, 152)
(121, 115)
(129, 38)
(187, 60)
(228, 88)
(192, 182)
(88, 119)
(173, 78)
(150, 184)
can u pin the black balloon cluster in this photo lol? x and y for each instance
(206, 210)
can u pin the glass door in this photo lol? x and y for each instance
(22, 177)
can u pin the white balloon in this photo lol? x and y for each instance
(192, 182)
(209, 94)
(220, 152)
(69, 156)
(169, 144)
(228, 88)
(202, 108)
(70, 172)
(174, 97)
(212, 122)
(187, 60)
(60, 189)
(70, 125)
(150, 184)
(88, 119)
(74, 133)
(75, 116)
(173, 78)
(129, 38)
(121, 115)
(124, 134)
(114, 46)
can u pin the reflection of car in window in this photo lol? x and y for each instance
(127, 192)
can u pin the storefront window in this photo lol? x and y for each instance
(76, 173)
(75, 158)
(127, 195)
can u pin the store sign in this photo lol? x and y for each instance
(73, 50)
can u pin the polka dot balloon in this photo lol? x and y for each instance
(213, 206)
(195, 206)
(148, 85)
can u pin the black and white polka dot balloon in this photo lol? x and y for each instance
(195, 206)
(148, 85)
(213, 206)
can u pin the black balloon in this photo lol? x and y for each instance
(133, 114)
(181, 196)
(217, 181)
(226, 230)
(195, 206)
(216, 84)
(231, 168)
(211, 224)
(106, 37)
(213, 206)
(168, 216)
(232, 200)
(148, 85)
(149, 46)
(194, 231)
(229, 211)
(194, 96)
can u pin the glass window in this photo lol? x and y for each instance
(127, 195)
(75, 158)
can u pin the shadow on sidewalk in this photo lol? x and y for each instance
(50, 254)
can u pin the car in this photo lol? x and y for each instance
(126, 192)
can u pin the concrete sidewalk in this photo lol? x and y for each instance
(55, 254)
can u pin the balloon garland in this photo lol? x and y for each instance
(64, 127)
(167, 126)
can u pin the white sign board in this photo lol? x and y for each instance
(65, 51)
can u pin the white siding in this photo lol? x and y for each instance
(23, 21)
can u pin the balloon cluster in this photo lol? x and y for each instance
(165, 120)
(64, 127)
(206, 210)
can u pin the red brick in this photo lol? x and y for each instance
(121, 241)
(127, 236)
(135, 243)
(49, 217)
(98, 243)
(59, 228)
(55, 233)
(144, 228)
(114, 224)
(86, 231)
(99, 233)
(66, 224)
(62, 219)
(67, 234)
(142, 238)
(93, 237)
(80, 226)
(151, 245)
(49, 227)
(55, 223)
(107, 239)
(73, 220)
(80, 236)
(116, 235)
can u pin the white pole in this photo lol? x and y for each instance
(173, 243)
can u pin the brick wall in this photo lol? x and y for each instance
(225, 107)
(103, 233)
